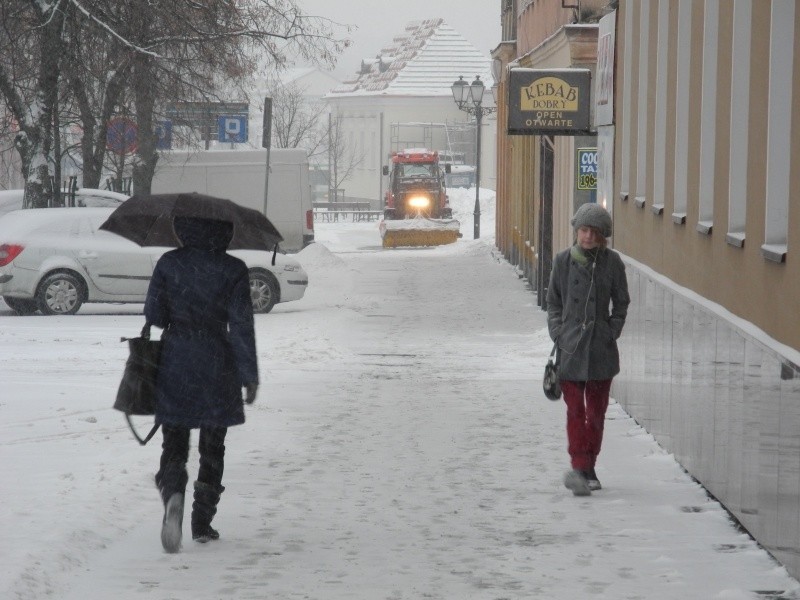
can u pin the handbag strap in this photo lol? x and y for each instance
(148, 437)
(554, 354)
(146, 330)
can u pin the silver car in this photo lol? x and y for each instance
(55, 259)
(12, 199)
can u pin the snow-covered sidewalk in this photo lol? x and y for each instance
(400, 448)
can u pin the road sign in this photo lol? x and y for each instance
(232, 128)
(122, 136)
(163, 133)
(266, 139)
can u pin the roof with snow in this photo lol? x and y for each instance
(424, 61)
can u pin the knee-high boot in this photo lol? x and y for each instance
(206, 498)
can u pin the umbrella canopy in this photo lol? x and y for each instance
(148, 220)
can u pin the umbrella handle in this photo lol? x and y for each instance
(274, 254)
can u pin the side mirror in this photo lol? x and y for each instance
(385, 169)
(447, 168)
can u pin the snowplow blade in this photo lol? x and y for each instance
(419, 232)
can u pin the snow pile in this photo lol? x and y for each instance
(462, 201)
(318, 255)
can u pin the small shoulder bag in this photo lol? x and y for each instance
(550, 382)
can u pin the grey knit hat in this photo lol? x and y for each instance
(592, 215)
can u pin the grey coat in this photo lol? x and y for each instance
(586, 310)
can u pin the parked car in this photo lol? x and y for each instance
(55, 259)
(460, 176)
(84, 197)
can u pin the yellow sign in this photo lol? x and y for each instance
(549, 93)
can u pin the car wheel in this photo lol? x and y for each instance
(21, 306)
(60, 294)
(264, 291)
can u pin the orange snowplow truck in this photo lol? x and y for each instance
(416, 186)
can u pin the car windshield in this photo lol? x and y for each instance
(419, 170)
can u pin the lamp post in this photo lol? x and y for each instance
(469, 98)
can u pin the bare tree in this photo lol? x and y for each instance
(343, 156)
(297, 122)
(87, 58)
(201, 50)
(31, 94)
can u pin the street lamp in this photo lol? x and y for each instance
(469, 98)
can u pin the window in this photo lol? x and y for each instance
(708, 117)
(681, 183)
(739, 127)
(779, 131)
(641, 141)
(660, 134)
(627, 86)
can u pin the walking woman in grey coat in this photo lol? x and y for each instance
(587, 302)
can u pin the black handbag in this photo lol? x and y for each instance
(550, 382)
(137, 390)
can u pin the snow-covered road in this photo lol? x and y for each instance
(400, 448)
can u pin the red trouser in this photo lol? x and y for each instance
(587, 402)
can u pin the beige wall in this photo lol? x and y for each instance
(758, 290)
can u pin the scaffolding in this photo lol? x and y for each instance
(455, 140)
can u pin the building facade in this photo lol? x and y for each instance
(697, 111)
(706, 213)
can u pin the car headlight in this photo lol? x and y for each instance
(419, 202)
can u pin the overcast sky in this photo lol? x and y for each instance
(379, 21)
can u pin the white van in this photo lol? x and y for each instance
(240, 175)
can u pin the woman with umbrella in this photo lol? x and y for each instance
(200, 296)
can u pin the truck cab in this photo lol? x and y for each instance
(416, 186)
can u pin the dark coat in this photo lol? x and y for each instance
(586, 310)
(200, 296)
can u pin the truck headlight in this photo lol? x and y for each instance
(419, 202)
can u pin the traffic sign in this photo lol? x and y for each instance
(122, 136)
(232, 128)
(163, 133)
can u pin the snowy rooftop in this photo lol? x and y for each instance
(423, 61)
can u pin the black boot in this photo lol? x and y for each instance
(173, 498)
(172, 525)
(592, 480)
(206, 498)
